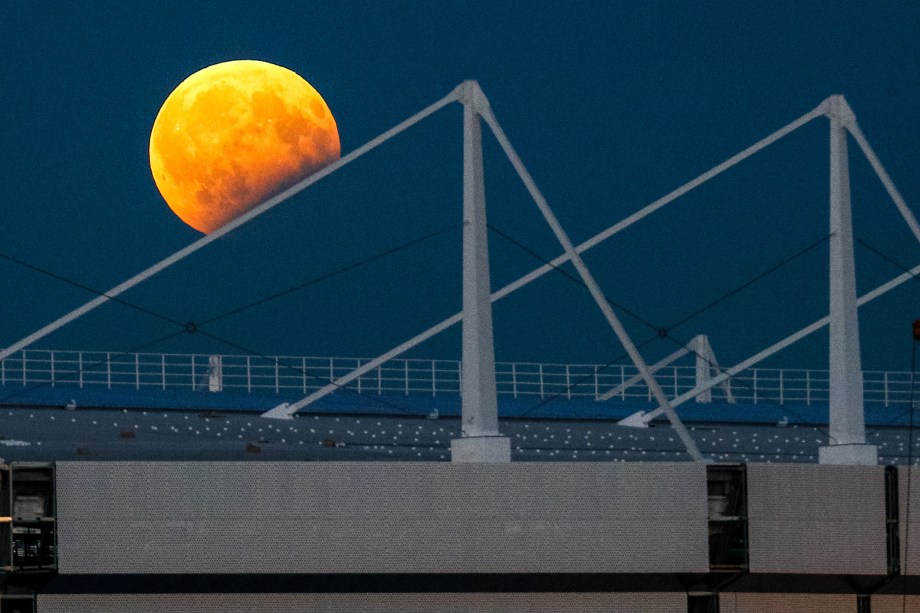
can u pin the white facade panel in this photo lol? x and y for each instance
(332, 517)
(816, 519)
(909, 520)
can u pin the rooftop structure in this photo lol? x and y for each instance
(137, 465)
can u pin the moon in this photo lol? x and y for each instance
(235, 133)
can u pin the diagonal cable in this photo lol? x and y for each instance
(887, 258)
(273, 201)
(884, 256)
(334, 273)
(300, 371)
(750, 282)
(666, 331)
(87, 288)
(565, 273)
(192, 327)
(91, 366)
(597, 370)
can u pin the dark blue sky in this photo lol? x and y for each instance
(611, 105)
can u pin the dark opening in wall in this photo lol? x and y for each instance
(728, 519)
(892, 530)
(703, 603)
(17, 603)
(27, 517)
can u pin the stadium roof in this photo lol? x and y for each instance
(149, 425)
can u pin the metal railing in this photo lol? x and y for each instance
(292, 375)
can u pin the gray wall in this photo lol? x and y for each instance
(393, 517)
(734, 602)
(806, 518)
(891, 603)
(451, 602)
(366, 603)
(910, 541)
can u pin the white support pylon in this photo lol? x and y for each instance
(288, 410)
(215, 374)
(706, 367)
(703, 367)
(722, 378)
(714, 367)
(599, 298)
(480, 440)
(847, 429)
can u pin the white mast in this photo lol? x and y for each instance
(847, 444)
(481, 440)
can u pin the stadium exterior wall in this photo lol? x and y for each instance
(367, 603)
(462, 602)
(814, 519)
(414, 536)
(909, 508)
(387, 517)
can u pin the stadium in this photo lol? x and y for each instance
(138, 481)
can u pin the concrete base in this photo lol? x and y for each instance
(859, 455)
(495, 449)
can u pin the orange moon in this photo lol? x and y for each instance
(232, 135)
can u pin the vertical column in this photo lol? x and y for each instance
(703, 367)
(481, 440)
(215, 374)
(847, 444)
